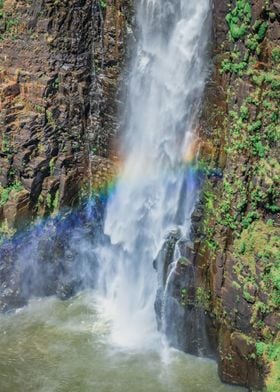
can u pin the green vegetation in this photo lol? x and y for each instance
(202, 298)
(270, 353)
(6, 192)
(240, 210)
(273, 380)
(52, 166)
(258, 245)
(50, 119)
(239, 19)
(1, 8)
(184, 298)
(241, 28)
(103, 4)
(5, 144)
(51, 201)
(276, 55)
(5, 231)
(10, 24)
(56, 201)
(183, 261)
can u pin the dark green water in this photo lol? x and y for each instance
(54, 346)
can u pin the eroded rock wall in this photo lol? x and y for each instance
(60, 68)
(236, 224)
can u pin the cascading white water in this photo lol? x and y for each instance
(156, 191)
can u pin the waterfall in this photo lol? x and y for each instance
(156, 190)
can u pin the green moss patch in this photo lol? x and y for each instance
(239, 19)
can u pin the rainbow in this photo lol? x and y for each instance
(103, 188)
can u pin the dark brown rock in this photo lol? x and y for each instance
(58, 92)
(237, 360)
(17, 210)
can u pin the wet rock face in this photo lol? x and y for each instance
(61, 65)
(241, 209)
(182, 303)
(60, 70)
(44, 260)
(237, 359)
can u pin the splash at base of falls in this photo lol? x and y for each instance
(54, 345)
(129, 332)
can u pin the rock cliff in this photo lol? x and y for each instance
(60, 67)
(236, 224)
(60, 71)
